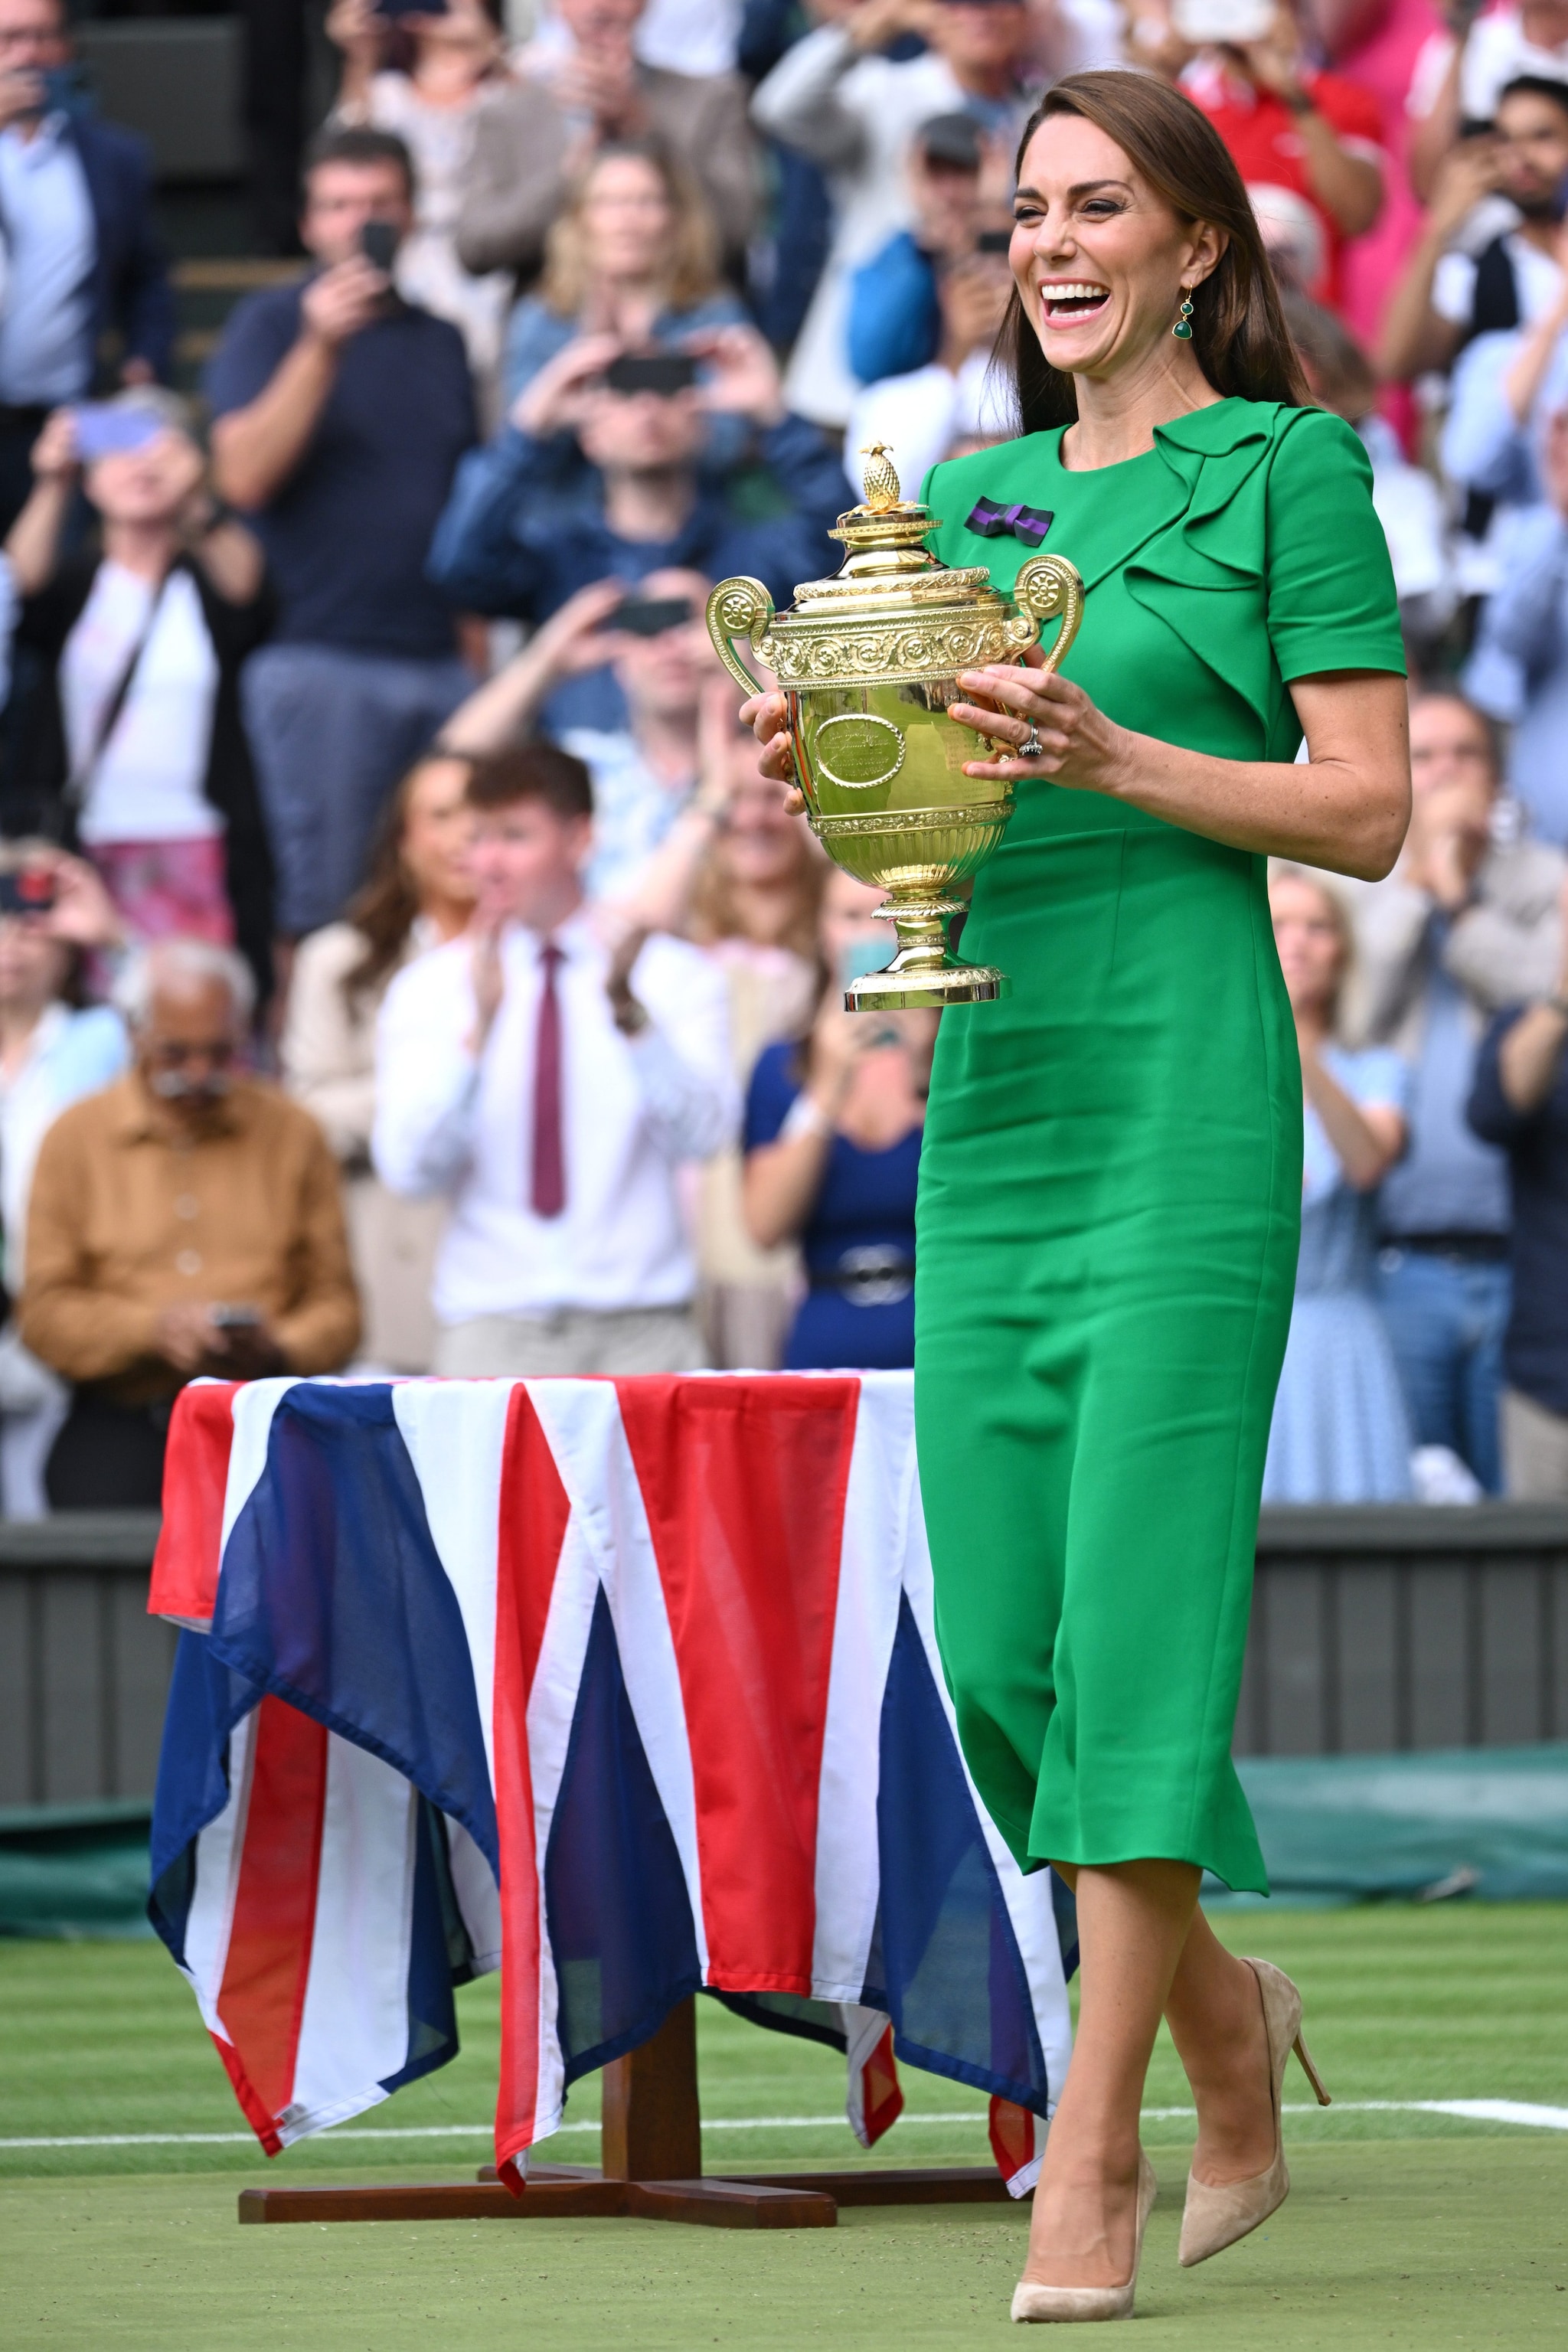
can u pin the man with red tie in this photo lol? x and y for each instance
(550, 1079)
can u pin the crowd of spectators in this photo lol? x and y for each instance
(405, 965)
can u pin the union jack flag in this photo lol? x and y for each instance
(628, 1687)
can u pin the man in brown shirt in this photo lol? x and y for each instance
(187, 1220)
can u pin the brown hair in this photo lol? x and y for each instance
(713, 915)
(1239, 335)
(691, 251)
(357, 143)
(532, 772)
(385, 905)
(1280, 869)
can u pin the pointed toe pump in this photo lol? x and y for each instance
(1215, 2217)
(1032, 2302)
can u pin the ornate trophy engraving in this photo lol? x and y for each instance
(867, 662)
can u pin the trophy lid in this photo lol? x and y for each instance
(888, 562)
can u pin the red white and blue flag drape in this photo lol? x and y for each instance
(628, 1687)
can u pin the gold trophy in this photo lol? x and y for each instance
(867, 662)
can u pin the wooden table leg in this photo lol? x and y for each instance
(652, 2127)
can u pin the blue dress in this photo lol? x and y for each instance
(1339, 1432)
(858, 1242)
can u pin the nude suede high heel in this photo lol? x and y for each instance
(1031, 2300)
(1215, 2217)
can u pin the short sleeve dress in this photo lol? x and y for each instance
(1111, 1184)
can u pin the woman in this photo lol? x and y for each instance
(833, 1152)
(1111, 1192)
(754, 905)
(1339, 1434)
(635, 254)
(418, 896)
(53, 1050)
(423, 76)
(131, 740)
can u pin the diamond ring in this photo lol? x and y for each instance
(1031, 747)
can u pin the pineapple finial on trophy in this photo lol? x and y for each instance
(882, 488)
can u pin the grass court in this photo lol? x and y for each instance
(1405, 2228)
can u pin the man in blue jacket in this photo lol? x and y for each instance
(82, 255)
(587, 482)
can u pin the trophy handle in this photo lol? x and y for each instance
(1046, 586)
(740, 608)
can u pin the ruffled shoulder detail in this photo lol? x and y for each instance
(1205, 574)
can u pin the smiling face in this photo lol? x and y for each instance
(1099, 260)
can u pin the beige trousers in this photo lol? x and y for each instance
(571, 1339)
(1535, 1450)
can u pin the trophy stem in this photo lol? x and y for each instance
(924, 971)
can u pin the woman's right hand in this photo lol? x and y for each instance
(767, 716)
(353, 26)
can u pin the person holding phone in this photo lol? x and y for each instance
(598, 474)
(83, 253)
(130, 743)
(1288, 124)
(953, 403)
(421, 73)
(340, 413)
(832, 1146)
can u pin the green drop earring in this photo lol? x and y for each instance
(1182, 329)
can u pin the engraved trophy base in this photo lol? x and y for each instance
(924, 975)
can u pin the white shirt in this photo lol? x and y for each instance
(45, 352)
(632, 1108)
(147, 783)
(1536, 277)
(1496, 53)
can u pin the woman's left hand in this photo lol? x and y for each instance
(1078, 746)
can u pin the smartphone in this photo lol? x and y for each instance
(395, 8)
(864, 956)
(105, 429)
(951, 142)
(649, 616)
(664, 372)
(1221, 21)
(994, 240)
(378, 243)
(235, 1318)
(26, 890)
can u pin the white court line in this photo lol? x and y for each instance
(1486, 2111)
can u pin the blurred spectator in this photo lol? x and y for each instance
(634, 255)
(53, 1050)
(576, 93)
(1520, 1104)
(1527, 620)
(833, 1149)
(1459, 81)
(418, 896)
(1379, 46)
(550, 1085)
(131, 742)
(184, 1221)
(422, 77)
(919, 416)
(1292, 127)
(83, 253)
(1408, 501)
(786, 265)
(341, 414)
(647, 832)
(1448, 295)
(754, 908)
(855, 113)
(1339, 1432)
(895, 314)
(1461, 927)
(524, 529)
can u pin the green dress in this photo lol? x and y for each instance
(1111, 1179)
